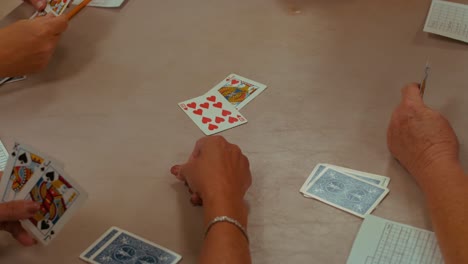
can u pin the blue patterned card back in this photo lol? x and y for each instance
(127, 249)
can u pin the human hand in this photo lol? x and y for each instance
(38, 4)
(11, 213)
(215, 171)
(27, 45)
(419, 137)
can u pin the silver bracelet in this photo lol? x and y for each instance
(230, 220)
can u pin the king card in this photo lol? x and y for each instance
(238, 90)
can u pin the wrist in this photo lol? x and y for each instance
(438, 174)
(230, 206)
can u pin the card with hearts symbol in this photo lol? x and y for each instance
(212, 113)
(238, 90)
(59, 196)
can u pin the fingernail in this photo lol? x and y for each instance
(40, 4)
(33, 207)
(175, 170)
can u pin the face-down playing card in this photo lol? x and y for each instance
(118, 246)
(59, 196)
(346, 192)
(212, 113)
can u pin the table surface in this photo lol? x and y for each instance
(107, 107)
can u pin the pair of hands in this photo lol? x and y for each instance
(28, 45)
(419, 137)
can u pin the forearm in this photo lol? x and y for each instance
(225, 243)
(446, 191)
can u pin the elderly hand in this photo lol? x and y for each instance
(216, 171)
(419, 137)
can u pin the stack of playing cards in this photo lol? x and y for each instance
(218, 110)
(32, 175)
(355, 192)
(118, 246)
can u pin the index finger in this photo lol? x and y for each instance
(18, 210)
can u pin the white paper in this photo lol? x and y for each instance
(102, 3)
(448, 19)
(382, 241)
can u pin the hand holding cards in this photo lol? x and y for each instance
(217, 110)
(55, 7)
(32, 175)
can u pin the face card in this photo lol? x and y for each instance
(212, 113)
(19, 169)
(346, 192)
(238, 90)
(56, 7)
(98, 244)
(59, 195)
(126, 247)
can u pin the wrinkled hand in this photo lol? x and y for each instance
(419, 137)
(27, 45)
(216, 170)
(38, 4)
(11, 213)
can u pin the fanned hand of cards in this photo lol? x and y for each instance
(32, 175)
(352, 191)
(118, 246)
(218, 110)
(56, 7)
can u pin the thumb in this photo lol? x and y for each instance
(182, 172)
(18, 210)
(412, 94)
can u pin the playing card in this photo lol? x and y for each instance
(98, 244)
(238, 90)
(125, 247)
(59, 195)
(56, 7)
(3, 156)
(19, 169)
(16, 79)
(346, 192)
(212, 113)
(102, 3)
(4, 80)
(370, 177)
